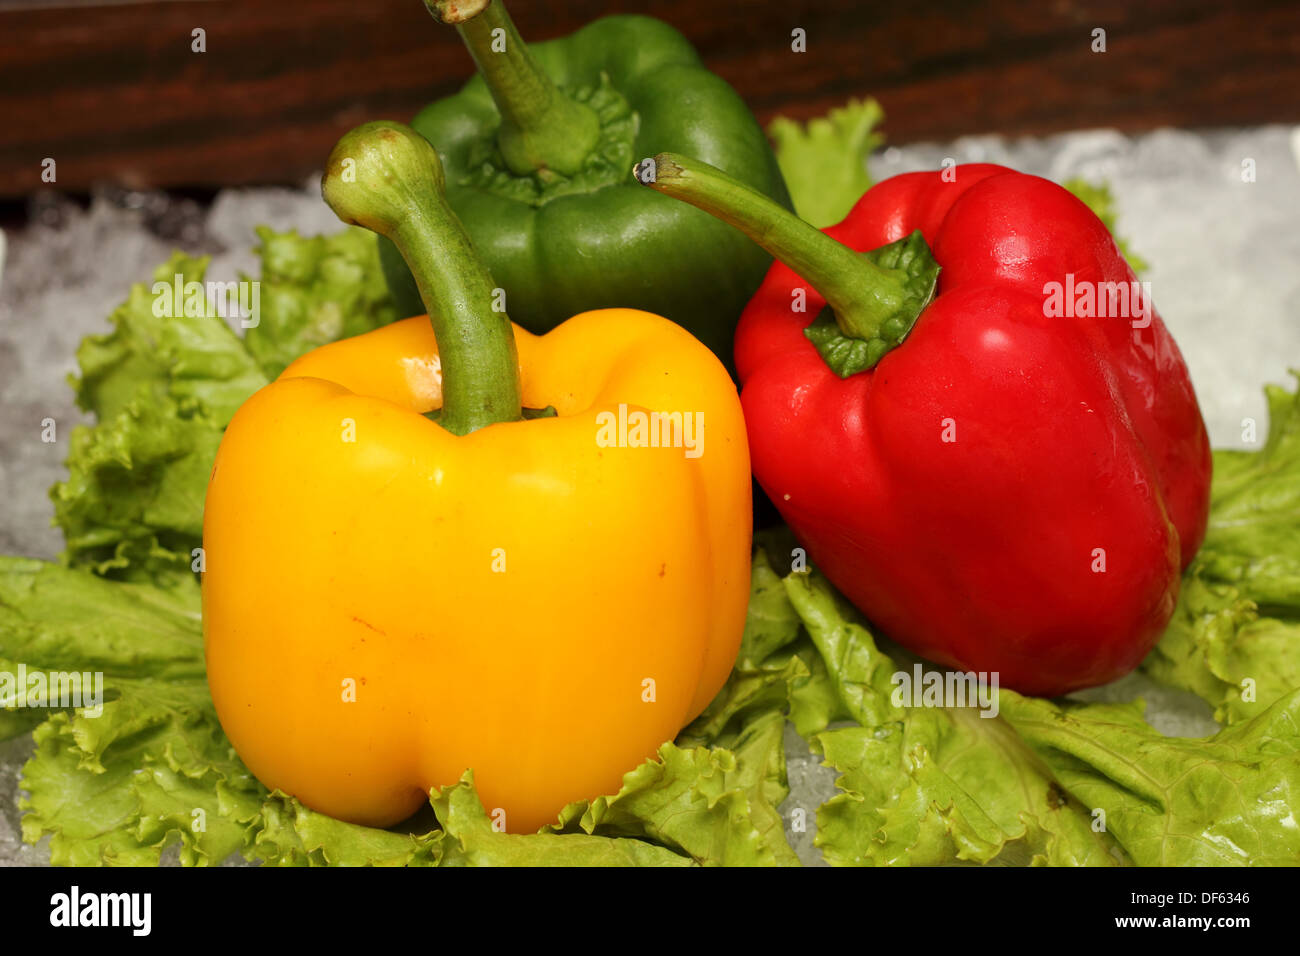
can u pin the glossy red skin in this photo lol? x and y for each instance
(1071, 434)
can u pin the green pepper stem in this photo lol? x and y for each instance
(388, 178)
(863, 296)
(542, 130)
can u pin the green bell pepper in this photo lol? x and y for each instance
(539, 150)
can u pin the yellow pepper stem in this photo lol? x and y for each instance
(388, 178)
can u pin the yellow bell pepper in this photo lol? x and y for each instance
(390, 599)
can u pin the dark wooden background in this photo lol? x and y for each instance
(114, 94)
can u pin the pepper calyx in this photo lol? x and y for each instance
(873, 298)
(606, 165)
(847, 350)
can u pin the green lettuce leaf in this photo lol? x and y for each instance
(925, 786)
(283, 832)
(162, 390)
(1235, 636)
(825, 161)
(133, 499)
(62, 619)
(1042, 783)
(777, 641)
(468, 839)
(1225, 800)
(716, 805)
(118, 786)
(1222, 649)
(1253, 540)
(315, 290)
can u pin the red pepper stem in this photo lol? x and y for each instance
(388, 178)
(862, 295)
(542, 131)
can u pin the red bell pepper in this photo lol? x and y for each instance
(1008, 489)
